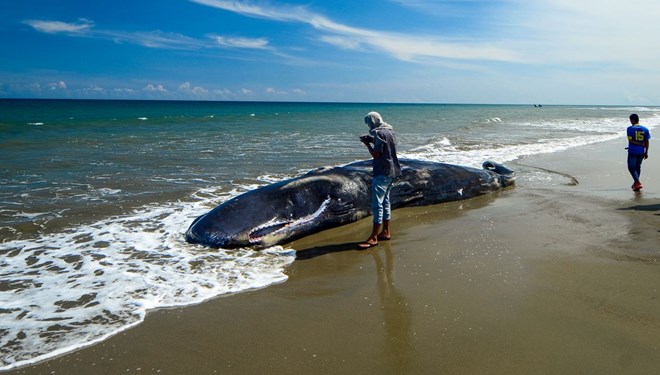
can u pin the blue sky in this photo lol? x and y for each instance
(430, 51)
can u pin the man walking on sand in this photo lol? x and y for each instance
(386, 168)
(638, 149)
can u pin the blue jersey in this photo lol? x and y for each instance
(638, 135)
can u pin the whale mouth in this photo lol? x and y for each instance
(257, 235)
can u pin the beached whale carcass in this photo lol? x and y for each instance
(332, 196)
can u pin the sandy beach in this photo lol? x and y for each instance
(547, 277)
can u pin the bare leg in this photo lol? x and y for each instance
(373, 238)
(385, 233)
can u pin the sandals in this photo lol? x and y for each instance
(366, 245)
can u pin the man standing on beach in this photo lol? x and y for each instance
(638, 149)
(386, 168)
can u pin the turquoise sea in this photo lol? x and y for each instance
(95, 196)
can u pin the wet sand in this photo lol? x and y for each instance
(546, 277)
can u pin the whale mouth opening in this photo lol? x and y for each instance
(257, 234)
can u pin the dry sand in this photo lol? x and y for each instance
(543, 278)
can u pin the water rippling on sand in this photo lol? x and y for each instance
(69, 289)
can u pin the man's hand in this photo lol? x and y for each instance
(646, 155)
(366, 139)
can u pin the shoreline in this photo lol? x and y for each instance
(543, 277)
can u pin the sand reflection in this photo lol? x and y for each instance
(397, 314)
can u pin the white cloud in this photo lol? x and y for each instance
(281, 13)
(93, 89)
(156, 39)
(61, 85)
(223, 93)
(246, 91)
(151, 39)
(618, 32)
(341, 42)
(273, 91)
(545, 32)
(123, 91)
(155, 88)
(200, 91)
(453, 8)
(401, 46)
(259, 43)
(53, 27)
(186, 87)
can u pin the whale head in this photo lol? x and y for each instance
(284, 211)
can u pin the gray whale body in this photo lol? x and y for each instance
(332, 196)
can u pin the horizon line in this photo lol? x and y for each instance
(538, 105)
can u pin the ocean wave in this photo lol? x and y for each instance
(440, 152)
(629, 109)
(77, 287)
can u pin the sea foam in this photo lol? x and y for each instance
(74, 288)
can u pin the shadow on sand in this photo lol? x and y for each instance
(328, 249)
(647, 208)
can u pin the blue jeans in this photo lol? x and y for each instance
(380, 198)
(635, 165)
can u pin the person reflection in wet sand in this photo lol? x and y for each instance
(396, 313)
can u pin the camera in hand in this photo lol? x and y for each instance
(366, 138)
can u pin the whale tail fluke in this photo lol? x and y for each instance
(507, 176)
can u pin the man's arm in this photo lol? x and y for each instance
(375, 154)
